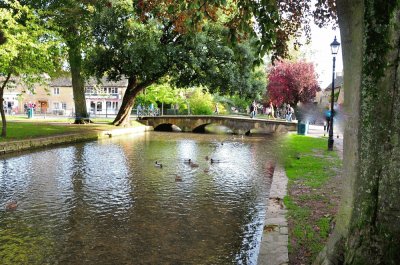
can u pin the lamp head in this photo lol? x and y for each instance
(335, 47)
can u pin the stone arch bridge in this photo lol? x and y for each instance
(197, 123)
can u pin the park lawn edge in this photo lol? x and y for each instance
(22, 129)
(314, 185)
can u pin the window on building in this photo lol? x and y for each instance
(115, 105)
(99, 106)
(113, 90)
(56, 105)
(92, 106)
(108, 104)
(56, 91)
(89, 90)
(64, 106)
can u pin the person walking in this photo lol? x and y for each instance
(289, 113)
(216, 109)
(272, 112)
(253, 109)
(328, 114)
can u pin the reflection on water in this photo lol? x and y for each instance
(106, 203)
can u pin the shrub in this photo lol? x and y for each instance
(201, 102)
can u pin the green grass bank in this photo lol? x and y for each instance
(23, 128)
(313, 194)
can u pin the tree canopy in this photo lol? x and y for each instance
(144, 52)
(273, 23)
(71, 19)
(292, 82)
(30, 50)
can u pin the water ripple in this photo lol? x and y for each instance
(106, 203)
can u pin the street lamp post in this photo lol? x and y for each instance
(334, 49)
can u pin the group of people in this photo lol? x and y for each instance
(150, 110)
(29, 105)
(286, 112)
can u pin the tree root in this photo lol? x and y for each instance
(83, 121)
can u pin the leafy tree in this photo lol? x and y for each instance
(272, 23)
(30, 50)
(201, 102)
(70, 18)
(292, 82)
(127, 47)
(162, 93)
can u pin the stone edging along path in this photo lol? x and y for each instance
(28, 144)
(274, 242)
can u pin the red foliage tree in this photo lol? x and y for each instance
(292, 82)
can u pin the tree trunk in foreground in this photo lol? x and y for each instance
(3, 115)
(368, 230)
(78, 84)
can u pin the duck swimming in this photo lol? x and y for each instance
(11, 206)
(190, 163)
(158, 164)
(194, 165)
(214, 161)
(178, 178)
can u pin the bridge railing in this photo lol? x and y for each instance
(173, 113)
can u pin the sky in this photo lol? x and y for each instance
(321, 54)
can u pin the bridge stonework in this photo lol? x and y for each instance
(239, 125)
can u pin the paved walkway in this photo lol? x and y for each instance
(274, 243)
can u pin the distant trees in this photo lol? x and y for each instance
(29, 52)
(292, 82)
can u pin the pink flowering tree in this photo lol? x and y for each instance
(292, 82)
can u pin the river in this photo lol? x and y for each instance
(106, 202)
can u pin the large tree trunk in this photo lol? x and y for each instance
(374, 235)
(124, 113)
(131, 92)
(368, 230)
(3, 115)
(78, 84)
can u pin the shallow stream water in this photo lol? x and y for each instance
(106, 202)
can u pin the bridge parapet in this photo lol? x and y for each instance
(238, 124)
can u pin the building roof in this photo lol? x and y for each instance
(338, 82)
(67, 82)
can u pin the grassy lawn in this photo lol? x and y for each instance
(24, 130)
(60, 119)
(313, 195)
(19, 128)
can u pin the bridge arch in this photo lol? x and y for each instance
(213, 128)
(167, 127)
(201, 128)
